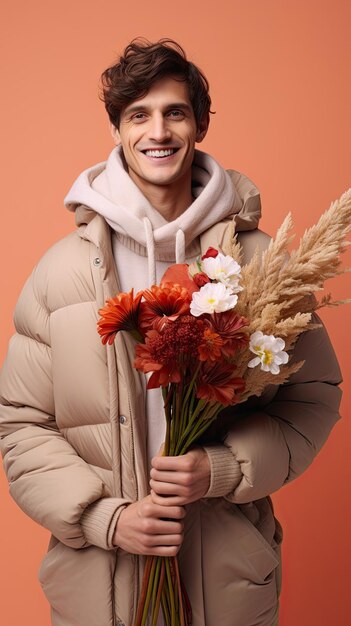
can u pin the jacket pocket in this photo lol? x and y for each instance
(229, 567)
(266, 559)
(78, 584)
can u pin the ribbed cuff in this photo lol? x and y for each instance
(225, 471)
(99, 521)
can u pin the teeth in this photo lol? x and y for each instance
(159, 153)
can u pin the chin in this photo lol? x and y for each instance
(167, 180)
(161, 178)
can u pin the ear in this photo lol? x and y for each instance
(115, 134)
(202, 129)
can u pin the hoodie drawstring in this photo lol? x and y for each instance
(180, 246)
(150, 248)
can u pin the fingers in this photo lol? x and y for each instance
(155, 510)
(162, 551)
(145, 527)
(162, 536)
(183, 463)
(170, 477)
(170, 483)
(169, 489)
(158, 527)
(183, 479)
(169, 501)
(163, 540)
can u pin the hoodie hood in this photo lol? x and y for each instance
(107, 189)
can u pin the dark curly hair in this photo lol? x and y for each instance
(142, 64)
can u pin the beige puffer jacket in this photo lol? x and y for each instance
(73, 439)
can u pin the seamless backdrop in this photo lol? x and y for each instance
(279, 72)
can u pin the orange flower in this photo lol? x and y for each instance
(218, 383)
(163, 304)
(228, 325)
(120, 313)
(211, 347)
(179, 274)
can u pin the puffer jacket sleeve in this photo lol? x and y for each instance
(270, 446)
(47, 479)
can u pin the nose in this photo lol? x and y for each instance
(158, 129)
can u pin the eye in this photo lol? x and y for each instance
(176, 114)
(138, 117)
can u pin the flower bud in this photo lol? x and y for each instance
(211, 252)
(200, 279)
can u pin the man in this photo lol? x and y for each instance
(79, 434)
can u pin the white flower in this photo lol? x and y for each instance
(224, 269)
(212, 298)
(269, 352)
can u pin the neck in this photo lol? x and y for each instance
(169, 200)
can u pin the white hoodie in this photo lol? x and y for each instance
(145, 243)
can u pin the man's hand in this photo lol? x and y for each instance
(183, 479)
(142, 529)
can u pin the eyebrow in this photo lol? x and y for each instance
(174, 105)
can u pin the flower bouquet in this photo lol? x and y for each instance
(214, 333)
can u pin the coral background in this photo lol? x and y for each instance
(279, 72)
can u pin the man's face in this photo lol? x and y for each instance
(158, 134)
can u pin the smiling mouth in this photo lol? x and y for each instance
(160, 154)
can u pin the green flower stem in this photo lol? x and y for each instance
(174, 581)
(165, 596)
(156, 606)
(173, 436)
(166, 397)
(200, 405)
(178, 405)
(177, 591)
(183, 420)
(179, 594)
(171, 593)
(149, 592)
(208, 412)
(191, 403)
(165, 610)
(185, 412)
(155, 584)
(197, 433)
(143, 591)
(191, 385)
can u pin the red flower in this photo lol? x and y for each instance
(120, 313)
(167, 353)
(218, 383)
(163, 304)
(211, 252)
(166, 370)
(200, 279)
(228, 325)
(211, 347)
